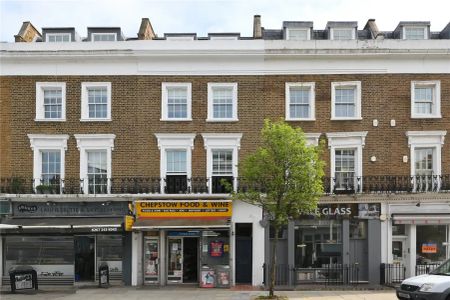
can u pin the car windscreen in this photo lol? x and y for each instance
(443, 269)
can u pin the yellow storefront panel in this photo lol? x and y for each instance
(187, 208)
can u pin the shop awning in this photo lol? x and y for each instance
(161, 223)
(62, 223)
(422, 219)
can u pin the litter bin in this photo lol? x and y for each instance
(103, 275)
(223, 276)
(23, 278)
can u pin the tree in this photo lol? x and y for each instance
(283, 176)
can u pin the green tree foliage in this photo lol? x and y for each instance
(283, 176)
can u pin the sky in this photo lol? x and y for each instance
(203, 16)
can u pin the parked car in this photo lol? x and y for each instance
(433, 286)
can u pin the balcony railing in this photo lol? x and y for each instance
(198, 185)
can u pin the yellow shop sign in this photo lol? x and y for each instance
(187, 208)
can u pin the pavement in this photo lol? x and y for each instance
(180, 293)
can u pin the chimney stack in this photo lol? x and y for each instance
(373, 28)
(257, 29)
(27, 33)
(146, 30)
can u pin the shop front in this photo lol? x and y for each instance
(337, 243)
(418, 236)
(186, 242)
(66, 242)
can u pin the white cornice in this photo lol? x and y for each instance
(426, 137)
(346, 138)
(48, 141)
(95, 141)
(167, 140)
(216, 140)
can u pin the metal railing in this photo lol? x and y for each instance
(391, 274)
(334, 274)
(426, 268)
(193, 185)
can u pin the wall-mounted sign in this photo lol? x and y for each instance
(187, 208)
(128, 223)
(184, 233)
(69, 209)
(429, 248)
(216, 249)
(347, 210)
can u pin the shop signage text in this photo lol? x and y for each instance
(69, 209)
(171, 208)
(429, 248)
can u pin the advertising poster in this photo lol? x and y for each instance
(216, 249)
(208, 279)
(223, 278)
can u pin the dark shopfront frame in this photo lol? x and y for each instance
(289, 274)
(102, 221)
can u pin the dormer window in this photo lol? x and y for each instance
(298, 34)
(104, 37)
(414, 33)
(342, 33)
(58, 37)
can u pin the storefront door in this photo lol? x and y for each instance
(151, 260)
(182, 260)
(175, 260)
(399, 251)
(84, 258)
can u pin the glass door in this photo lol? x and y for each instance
(175, 260)
(151, 260)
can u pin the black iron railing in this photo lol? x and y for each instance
(181, 184)
(391, 274)
(426, 268)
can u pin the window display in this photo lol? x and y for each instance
(431, 241)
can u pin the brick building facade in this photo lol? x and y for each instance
(378, 141)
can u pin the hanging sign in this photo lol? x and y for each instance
(429, 248)
(128, 223)
(186, 208)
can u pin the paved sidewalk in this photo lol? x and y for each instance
(132, 293)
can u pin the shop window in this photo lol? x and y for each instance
(430, 244)
(398, 229)
(110, 251)
(50, 256)
(215, 248)
(318, 244)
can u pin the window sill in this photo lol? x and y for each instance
(426, 117)
(346, 119)
(50, 120)
(300, 119)
(175, 120)
(222, 120)
(96, 120)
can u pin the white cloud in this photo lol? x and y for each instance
(203, 16)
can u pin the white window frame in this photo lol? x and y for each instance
(48, 35)
(312, 139)
(223, 38)
(165, 100)
(94, 142)
(347, 140)
(312, 100)
(47, 142)
(103, 33)
(343, 28)
(85, 101)
(357, 85)
(211, 86)
(40, 111)
(221, 141)
(175, 141)
(424, 28)
(426, 139)
(436, 104)
(307, 30)
(180, 38)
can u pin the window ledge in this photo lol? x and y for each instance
(346, 119)
(222, 120)
(96, 120)
(426, 117)
(176, 120)
(50, 120)
(300, 119)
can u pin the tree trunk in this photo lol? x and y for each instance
(273, 262)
